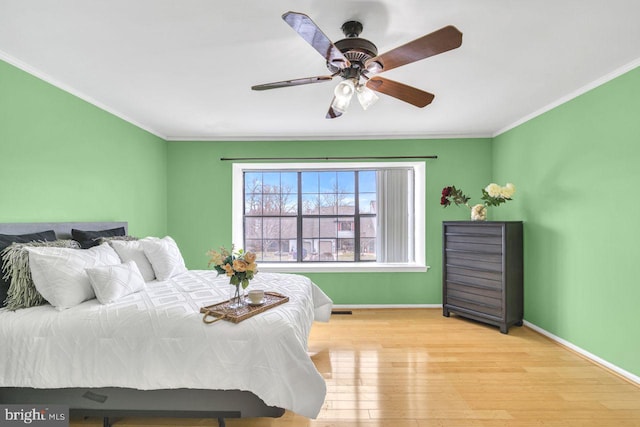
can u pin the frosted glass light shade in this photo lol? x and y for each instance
(366, 96)
(345, 89)
(343, 94)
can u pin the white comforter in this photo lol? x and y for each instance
(155, 339)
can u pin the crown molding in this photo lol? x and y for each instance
(576, 93)
(69, 89)
(338, 137)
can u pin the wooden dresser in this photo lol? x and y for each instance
(482, 271)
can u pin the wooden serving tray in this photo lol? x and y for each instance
(222, 310)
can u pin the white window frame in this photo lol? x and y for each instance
(418, 264)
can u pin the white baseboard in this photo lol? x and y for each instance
(600, 361)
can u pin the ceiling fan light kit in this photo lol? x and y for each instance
(366, 96)
(342, 95)
(356, 60)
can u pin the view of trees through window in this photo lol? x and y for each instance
(310, 216)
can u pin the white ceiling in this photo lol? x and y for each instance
(183, 69)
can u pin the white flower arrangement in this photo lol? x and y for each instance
(494, 195)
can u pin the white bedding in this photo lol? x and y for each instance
(155, 339)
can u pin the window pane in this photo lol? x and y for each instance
(253, 182)
(328, 204)
(271, 229)
(345, 250)
(289, 228)
(328, 182)
(271, 182)
(367, 202)
(310, 227)
(269, 253)
(288, 204)
(270, 247)
(367, 249)
(253, 204)
(310, 204)
(254, 246)
(346, 227)
(328, 227)
(289, 182)
(278, 251)
(346, 181)
(253, 228)
(309, 182)
(270, 204)
(327, 250)
(347, 204)
(286, 250)
(307, 249)
(367, 181)
(368, 226)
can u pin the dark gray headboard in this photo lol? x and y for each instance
(62, 229)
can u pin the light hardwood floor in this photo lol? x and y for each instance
(416, 368)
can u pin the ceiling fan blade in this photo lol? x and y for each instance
(401, 91)
(332, 113)
(309, 31)
(442, 40)
(294, 82)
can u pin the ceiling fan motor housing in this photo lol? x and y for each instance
(355, 49)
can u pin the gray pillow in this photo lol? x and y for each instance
(89, 238)
(15, 263)
(5, 241)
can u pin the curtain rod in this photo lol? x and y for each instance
(224, 159)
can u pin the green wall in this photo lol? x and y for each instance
(200, 204)
(63, 159)
(576, 168)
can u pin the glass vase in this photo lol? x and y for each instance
(479, 213)
(237, 299)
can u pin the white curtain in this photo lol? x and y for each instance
(395, 215)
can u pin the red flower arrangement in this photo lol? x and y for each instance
(452, 194)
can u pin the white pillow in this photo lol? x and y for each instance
(132, 251)
(59, 273)
(164, 255)
(112, 282)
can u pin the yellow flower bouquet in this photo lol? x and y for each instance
(239, 266)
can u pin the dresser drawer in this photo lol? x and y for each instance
(474, 238)
(480, 273)
(474, 230)
(465, 277)
(488, 248)
(491, 262)
(471, 292)
(490, 309)
(483, 300)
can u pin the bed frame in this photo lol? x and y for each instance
(114, 402)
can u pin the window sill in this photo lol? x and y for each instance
(338, 267)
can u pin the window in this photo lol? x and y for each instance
(331, 216)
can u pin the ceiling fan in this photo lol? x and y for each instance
(356, 60)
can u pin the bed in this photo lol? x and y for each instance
(150, 353)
